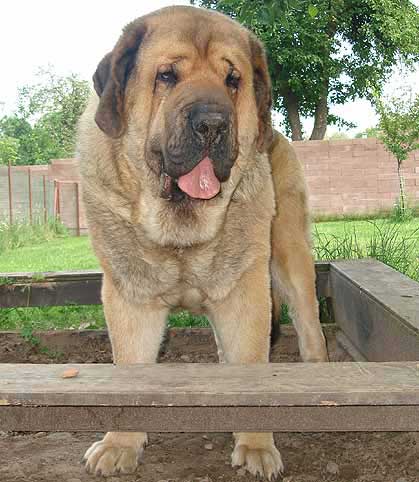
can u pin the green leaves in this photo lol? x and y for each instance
(399, 123)
(349, 45)
(46, 118)
(256, 13)
(399, 131)
(9, 150)
(312, 11)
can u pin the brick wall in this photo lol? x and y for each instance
(344, 177)
(355, 176)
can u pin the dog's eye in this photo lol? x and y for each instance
(168, 77)
(233, 80)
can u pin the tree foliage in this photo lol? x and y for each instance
(324, 52)
(399, 123)
(45, 121)
(368, 132)
(9, 150)
(337, 136)
(399, 129)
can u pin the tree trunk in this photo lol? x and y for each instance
(402, 198)
(293, 115)
(320, 117)
(322, 109)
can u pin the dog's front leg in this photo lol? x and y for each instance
(242, 322)
(136, 333)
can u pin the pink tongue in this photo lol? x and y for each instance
(200, 183)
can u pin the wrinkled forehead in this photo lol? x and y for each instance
(191, 37)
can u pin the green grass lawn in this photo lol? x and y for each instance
(365, 229)
(397, 244)
(72, 253)
(60, 254)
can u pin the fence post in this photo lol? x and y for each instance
(77, 208)
(30, 194)
(56, 199)
(9, 173)
(45, 198)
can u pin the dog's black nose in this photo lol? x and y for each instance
(208, 120)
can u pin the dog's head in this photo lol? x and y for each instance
(191, 90)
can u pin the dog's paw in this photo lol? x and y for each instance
(265, 463)
(114, 455)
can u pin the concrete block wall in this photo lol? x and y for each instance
(355, 176)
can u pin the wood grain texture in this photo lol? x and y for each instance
(322, 279)
(377, 308)
(210, 419)
(188, 385)
(333, 397)
(50, 289)
(81, 287)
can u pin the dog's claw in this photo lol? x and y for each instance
(263, 463)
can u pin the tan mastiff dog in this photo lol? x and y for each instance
(193, 202)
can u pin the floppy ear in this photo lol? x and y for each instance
(111, 77)
(263, 93)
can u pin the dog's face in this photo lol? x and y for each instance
(188, 91)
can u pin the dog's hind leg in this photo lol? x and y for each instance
(292, 267)
(136, 332)
(278, 298)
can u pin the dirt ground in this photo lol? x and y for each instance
(314, 457)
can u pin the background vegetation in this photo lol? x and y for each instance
(398, 129)
(43, 127)
(327, 52)
(321, 53)
(394, 243)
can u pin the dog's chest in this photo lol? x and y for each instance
(190, 285)
(185, 298)
(202, 276)
(183, 277)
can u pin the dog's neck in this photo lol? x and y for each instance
(191, 222)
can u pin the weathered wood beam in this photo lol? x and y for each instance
(210, 397)
(377, 308)
(50, 289)
(80, 288)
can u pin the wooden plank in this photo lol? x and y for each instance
(50, 288)
(349, 347)
(50, 276)
(210, 419)
(377, 308)
(322, 279)
(80, 287)
(283, 384)
(211, 397)
(322, 271)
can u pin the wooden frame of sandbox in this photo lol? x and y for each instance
(375, 308)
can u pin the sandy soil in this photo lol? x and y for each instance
(50, 457)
